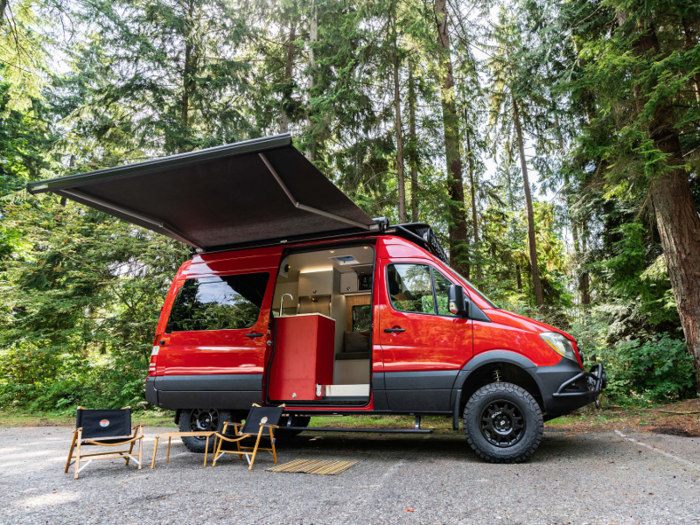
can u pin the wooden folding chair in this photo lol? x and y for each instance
(105, 428)
(249, 437)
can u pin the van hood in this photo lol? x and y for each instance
(525, 323)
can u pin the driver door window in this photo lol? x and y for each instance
(410, 288)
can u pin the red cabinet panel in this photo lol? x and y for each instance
(304, 354)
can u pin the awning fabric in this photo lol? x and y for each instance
(252, 192)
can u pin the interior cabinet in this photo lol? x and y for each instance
(304, 356)
(316, 283)
(348, 282)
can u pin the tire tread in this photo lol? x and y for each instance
(531, 404)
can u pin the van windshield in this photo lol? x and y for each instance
(473, 288)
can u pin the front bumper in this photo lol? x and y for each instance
(565, 387)
(596, 381)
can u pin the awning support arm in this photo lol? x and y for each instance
(125, 211)
(304, 207)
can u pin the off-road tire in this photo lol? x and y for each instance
(528, 408)
(198, 445)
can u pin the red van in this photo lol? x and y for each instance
(294, 295)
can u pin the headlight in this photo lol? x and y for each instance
(560, 344)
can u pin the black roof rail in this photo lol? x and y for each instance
(423, 235)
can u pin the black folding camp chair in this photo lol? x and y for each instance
(241, 439)
(105, 428)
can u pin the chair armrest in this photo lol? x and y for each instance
(120, 443)
(238, 437)
(268, 425)
(236, 426)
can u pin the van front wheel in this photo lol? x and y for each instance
(503, 423)
(202, 420)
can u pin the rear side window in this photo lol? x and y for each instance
(218, 303)
(410, 288)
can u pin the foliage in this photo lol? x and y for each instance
(642, 369)
(80, 298)
(98, 83)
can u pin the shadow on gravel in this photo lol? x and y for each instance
(416, 448)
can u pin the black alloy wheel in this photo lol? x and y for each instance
(502, 424)
(202, 420)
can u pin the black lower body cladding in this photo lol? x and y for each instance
(415, 392)
(222, 391)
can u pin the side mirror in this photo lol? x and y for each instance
(459, 305)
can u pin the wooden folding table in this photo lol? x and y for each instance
(171, 435)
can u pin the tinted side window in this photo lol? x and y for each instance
(410, 288)
(218, 303)
(442, 290)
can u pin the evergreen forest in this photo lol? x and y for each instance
(553, 145)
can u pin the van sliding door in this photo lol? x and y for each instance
(214, 345)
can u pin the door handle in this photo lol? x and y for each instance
(254, 334)
(394, 330)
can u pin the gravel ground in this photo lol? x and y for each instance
(589, 478)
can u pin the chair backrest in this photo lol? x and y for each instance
(264, 415)
(104, 423)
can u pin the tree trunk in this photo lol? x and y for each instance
(313, 38)
(457, 229)
(186, 84)
(583, 275)
(676, 215)
(413, 141)
(584, 281)
(518, 279)
(71, 165)
(532, 242)
(3, 5)
(288, 72)
(472, 188)
(399, 134)
(690, 44)
(679, 228)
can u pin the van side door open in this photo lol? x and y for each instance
(424, 345)
(322, 345)
(214, 342)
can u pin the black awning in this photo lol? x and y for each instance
(258, 191)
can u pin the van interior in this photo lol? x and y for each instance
(323, 315)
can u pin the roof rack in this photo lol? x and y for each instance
(423, 235)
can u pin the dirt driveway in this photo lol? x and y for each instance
(617, 477)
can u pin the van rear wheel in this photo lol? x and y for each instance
(503, 423)
(202, 420)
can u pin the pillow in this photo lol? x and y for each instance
(356, 342)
